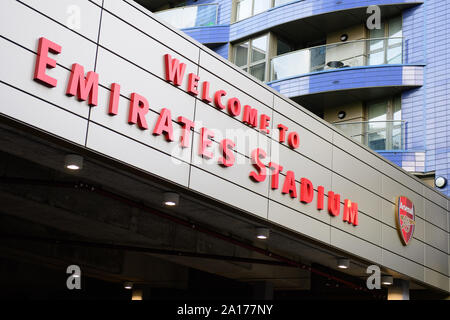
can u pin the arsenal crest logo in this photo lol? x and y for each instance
(405, 217)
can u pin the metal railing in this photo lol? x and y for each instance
(201, 15)
(338, 55)
(377, 135)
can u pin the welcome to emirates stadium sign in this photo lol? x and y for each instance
(85, 88)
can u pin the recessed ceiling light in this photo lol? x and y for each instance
(73, 162)
(171, 199)
(128, 285)
(387, 280)
(262, 233)
(343, 263)
(341, 114)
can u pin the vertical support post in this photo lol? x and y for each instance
(399, 290)
(137, 294)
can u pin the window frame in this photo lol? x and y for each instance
(389, 129)
(249, 63)
(237, 12)
(386, 46)
(252, 11)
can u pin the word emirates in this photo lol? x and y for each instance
(86, 88)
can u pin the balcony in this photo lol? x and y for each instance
(359, 53)
(377, 135)
(202, 15)
(312, 20)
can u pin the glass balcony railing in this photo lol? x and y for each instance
(191, 16)
(377, 135)
(349, 54)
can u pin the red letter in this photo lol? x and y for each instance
(276, 169)
(227, 159)
(114, 99)
(82, 87)
(306, 191)
(320, 197)
(138, 110)
(293, 140)
(289, 185)
(334, 203)
(219, 94)
(205, 92)
(174, 70)
(264, 123)
(351, 212)
(164, 125)
(250, 116)
(186, 125)
(234, 107)
(283, 130)
(43, 61)
(257, 155)
(193, 84)
(205, 142)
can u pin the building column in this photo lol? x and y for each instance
(399, 290)
(137, 294)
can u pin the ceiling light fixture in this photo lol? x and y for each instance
(171, 199)
(343, 263)
(262, 233)
(73, 162)
(128, 285)
(341, 114)
(387, 280)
